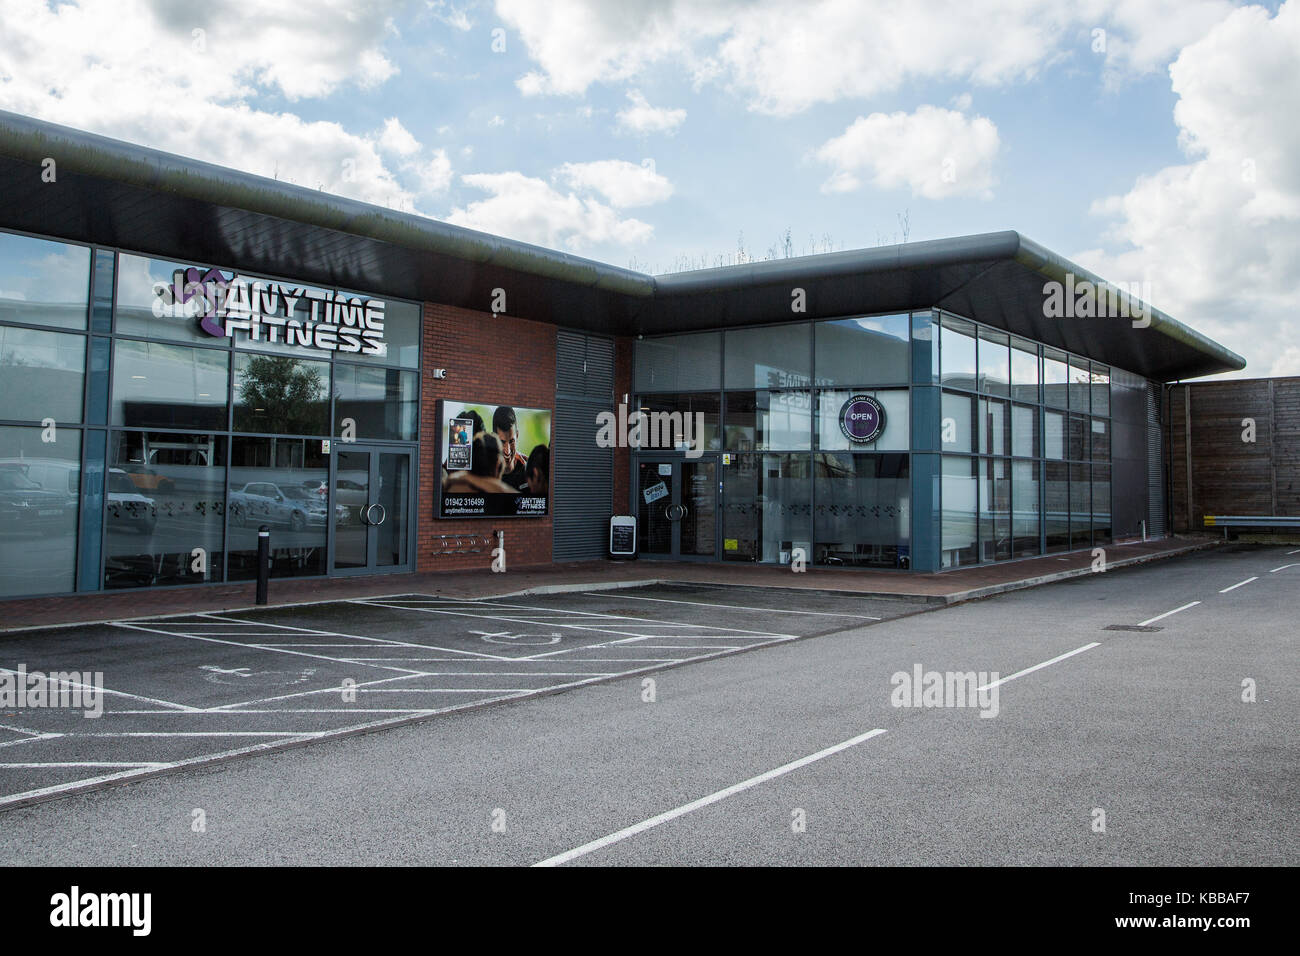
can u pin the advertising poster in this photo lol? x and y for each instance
(495, 460)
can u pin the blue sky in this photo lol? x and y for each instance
(1150, 140)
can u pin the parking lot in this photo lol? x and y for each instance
(187, 690)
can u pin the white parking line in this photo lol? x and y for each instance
(1239, 584)
(81, 763)
(1038, 667)
(712, 798)
(1161, 617)
(115, 693)
(732, 607)
(1283, 568)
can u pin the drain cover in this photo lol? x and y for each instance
(1131, 627)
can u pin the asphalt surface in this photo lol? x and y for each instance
(1149, 727)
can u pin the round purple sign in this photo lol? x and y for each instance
(862, 419)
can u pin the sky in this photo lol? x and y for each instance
(1154, 142)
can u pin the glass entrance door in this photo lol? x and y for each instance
(677, 507)
(372, 509)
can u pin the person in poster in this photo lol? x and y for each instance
(506, 427)
(490, 476)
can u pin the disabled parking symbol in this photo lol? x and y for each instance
(522, 640)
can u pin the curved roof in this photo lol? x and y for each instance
(113, 193)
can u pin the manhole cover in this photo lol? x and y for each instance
(1130, 627)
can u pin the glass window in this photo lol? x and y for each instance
(1054, 435)
(958, 427)
(1055, 378)
(763, 421)
(40, 485)
(1100, 439)
(1101, 528)
(863, 351)
(167, 496)
(995, 509)
(960, 496)
(925, 350)
(775, 356)
(957, 353)
(282, 483)
(1056, 511)
(169, 385)
(994, 433)
(1079, 444)
(1100, 389)
(1080, 507)
(675, 363)
(863, 515)
(147, 306)
(401, 336)
(41, 374)
(281, 395)
(995, 362)
(1024, 370)
(1024, 501)
(1025, 440)
(382, 403)
(896, 435)
(1080, 384)
(702, 407)
(766, 513)
(43, 282)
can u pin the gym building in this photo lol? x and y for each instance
(189, 353)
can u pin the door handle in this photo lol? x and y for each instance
(368, 514)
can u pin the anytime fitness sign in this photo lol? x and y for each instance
(862, 419)
(226, 303)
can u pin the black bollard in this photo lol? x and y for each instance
(263, 562)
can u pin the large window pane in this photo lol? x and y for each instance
(775, 356)
(401, 336)
(957, 353)
(1056, 513)
(1101, 526)
(768, 509)
(1100, 439)
(1078, 445)
(40, 485)
(703, 408)
(958, 425)
(1080, 507)
(676, 363)
(994, 433)
(864, 351)
(762, 421)
(1024, 371)
(281, 395)
(1025, 441)
(146, 302)
(995, 509)
(282, 483)
(863, 510)
(1056, 375)
(167, 494)
(1080, 385)
(169, 385)
(41, 374)
(382, 403)
(896, 435)
(43, 282)
(995, 362)
(1100, 389)
(1025, 513)
(960, 494)
(1054, 435)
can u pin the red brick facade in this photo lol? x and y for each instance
(500, 360)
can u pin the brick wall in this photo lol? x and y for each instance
(506, 361)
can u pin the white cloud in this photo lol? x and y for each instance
(451, 14)
(622, 183)
(496, 121)
(783, 57)
(435, 173)
(396, 138)
(522, 207)
(937, 153)
(643, 118)
(1220, 235)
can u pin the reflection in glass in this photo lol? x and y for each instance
(383, 403)
(995, 362)
(1080, 384)
(896, 435)
(142, 311)
(958, 426)
(679, 363)
(352, 489)
(393, 494)
(705, 404)
(775, 356)
(1101, 507)
(995, 509)
(1100, 389)
(863, 511)
(43, 282)
(282, 483)
(1100, 439)
(767, 513)
(1055, 378)
(995, 436)
(1024, 501)
(699, 494)
(957, 353)
(1024, 431)
(171, 501)
(863, 351)
(654, 485)
(1080, 507)
(762, 421)
(41, 374)
(1056, 513)
(169, 385)
(960, 495)
(39, 500)
(1024, 370)
(281, 395)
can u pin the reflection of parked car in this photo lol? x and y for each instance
(26, 507)
(347, 492)
(126, 506)
(262, 502)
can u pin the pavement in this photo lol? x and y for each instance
(951, 586)
(1167, 741)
